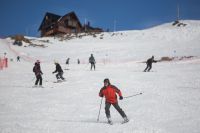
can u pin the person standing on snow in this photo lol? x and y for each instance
(18, 58)
(78, 61)
(59, 71)
(109, 91)
(92, 62)
(38, 73)
(149, 64)
(67, 61)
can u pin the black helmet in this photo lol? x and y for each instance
(107, 81)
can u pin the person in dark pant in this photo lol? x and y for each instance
(149, 64)
(67, 61)
(18, 58)
(78, 61)
(38, 73)
(59, 72)
(92, 62)
(109, 91)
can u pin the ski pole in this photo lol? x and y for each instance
(33, 78)
(134, 95)
(99, 109)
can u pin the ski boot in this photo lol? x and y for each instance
(125, 120)
(110, 121)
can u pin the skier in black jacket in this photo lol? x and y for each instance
(92, 61)
(59, 71)
(38, 73)
(149, 64)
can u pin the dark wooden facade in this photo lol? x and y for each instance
(88, 28)
(53, 24)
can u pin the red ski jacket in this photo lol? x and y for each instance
(110, 93)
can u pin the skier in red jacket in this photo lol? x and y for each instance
(109, 91)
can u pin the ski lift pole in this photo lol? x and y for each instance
(99, 109)
(133, 95)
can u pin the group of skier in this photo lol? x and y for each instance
(108, 91)
(148, 63)
(91, 61)
(68, 59)
(38, 73)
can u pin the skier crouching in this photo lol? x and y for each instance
(59, 72)
(109, 91)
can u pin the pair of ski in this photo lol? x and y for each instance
(111, 123)
(41, 86)
(59, 81)
(36, 86)
(123, 122)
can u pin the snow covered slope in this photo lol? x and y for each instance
(163, 40)
(171, 92)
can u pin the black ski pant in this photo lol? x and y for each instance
(38, 79)
(148, 68)
(60, 75)
(107, 109)
(92, 66)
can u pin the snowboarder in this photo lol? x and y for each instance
(78, 61)
(92, 62)
(38, 73)
(18, 58)
(67, 61)
(109, 91)
(149, 64)
(59, 72)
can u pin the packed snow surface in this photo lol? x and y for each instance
(170, 100)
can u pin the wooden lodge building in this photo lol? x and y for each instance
(53, 24)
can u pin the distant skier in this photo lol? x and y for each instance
(59, 72)
(92, 62)
(78, 61)
(149, 64)
(18, 58)
(109, 91)
(38, 73)
(67, 61)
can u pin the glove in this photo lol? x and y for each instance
(101, 95)
(121, 97)
(52, 72)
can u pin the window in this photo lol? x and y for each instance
(74, 23)
(70, 23)
(66, 22)
(73, 30)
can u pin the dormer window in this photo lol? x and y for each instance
(68, 17)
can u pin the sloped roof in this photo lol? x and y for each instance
(56, 18)
(74, 15)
